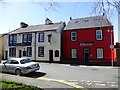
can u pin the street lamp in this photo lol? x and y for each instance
(111, 45)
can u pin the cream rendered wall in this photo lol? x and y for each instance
(6, 48)
(1, 47)
(22, 48)
(54, 45)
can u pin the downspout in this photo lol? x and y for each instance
(35, 48)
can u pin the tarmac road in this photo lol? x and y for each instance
(67, 76)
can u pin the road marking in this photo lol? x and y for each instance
(100, 84)
(63, 82)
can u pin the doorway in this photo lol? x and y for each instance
(6, 55)
(20, 53)
(50, 55)
(86, 52)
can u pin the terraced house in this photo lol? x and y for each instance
(38, 42)
(89, 40)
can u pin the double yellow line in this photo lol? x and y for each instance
(63, 82)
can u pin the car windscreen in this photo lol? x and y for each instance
(23, 61)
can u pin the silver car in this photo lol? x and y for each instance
(19, 66)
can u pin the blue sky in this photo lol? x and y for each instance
(33, 13)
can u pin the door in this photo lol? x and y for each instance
(6, 55)
(50, 55)
(20, 53)
(86, 55)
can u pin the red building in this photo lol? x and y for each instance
(87, 40)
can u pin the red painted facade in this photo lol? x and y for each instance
(86, 38)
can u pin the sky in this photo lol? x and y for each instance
(34, 13)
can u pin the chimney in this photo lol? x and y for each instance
(23, 25)
(70, 18)
(48, 21)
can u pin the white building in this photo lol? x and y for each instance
(38, 42)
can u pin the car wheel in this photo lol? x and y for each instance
(18, 72)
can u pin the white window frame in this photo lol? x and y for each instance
(73, 36)
(73, 53)
(99, 33)
(100, 53)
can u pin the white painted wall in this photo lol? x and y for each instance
(54, 45)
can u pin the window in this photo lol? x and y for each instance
(99, 35)
(41, 51)
(12, 52)
(24, 38)
(73, 36)
(99, 53)
(41, 37)
(29, 51)
(27, 38)
(14, 62)
(74, 53)
(12, 38)
(23, 61)
(56, 53)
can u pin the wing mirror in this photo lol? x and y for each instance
(4, 62)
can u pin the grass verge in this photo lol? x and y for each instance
(11, 85)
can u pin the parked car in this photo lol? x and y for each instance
(19, 66)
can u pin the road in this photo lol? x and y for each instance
(87, 76)
(76, 76)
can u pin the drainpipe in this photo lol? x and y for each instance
(35, 47)
(119, 26)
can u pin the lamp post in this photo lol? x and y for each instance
(111, 45)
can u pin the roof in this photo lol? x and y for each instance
(1, 35)
(37, 28)
(88, 22)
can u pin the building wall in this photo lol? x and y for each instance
(88, 35)
(54, 45)
(1, 48)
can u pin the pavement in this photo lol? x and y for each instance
(40, 82)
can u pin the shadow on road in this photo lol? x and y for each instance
(35, 74)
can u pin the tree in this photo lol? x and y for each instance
(104, 7)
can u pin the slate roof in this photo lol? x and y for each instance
(37, 28)
(88, 22)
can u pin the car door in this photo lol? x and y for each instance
(13, 65)
(5, 66)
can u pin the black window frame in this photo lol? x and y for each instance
(29, 51)
(57, 53)
(12, 52)
(27, 37)
(39, 51)
(39, 37)
(12, 38)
